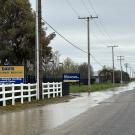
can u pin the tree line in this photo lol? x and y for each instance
(68, 66)
(106, 75)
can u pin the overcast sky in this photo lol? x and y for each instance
(115, 26)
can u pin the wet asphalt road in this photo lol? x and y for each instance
(115, 116)
(102, 113)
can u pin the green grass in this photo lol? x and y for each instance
(94, 87)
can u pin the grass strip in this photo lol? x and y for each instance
(94, 87)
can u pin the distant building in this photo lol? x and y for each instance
(96, 77)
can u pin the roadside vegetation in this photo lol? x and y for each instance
(94, 87)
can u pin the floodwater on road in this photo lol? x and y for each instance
(38, 120)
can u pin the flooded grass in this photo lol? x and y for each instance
(94, 87)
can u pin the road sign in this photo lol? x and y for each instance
(71, 77)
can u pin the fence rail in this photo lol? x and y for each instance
(54, 89)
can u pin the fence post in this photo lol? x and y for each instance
(42, 90)
(36, 92)
(53, 89)
(57, 89)
(3, 95)
(29, 93)
(61, 89)
(13, 93)
(21, 93)
(48, 89)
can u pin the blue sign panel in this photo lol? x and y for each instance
(74, 77)
(11, 80)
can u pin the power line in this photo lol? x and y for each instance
(91, 4)
(64, 38)
(102, 31)
(73, 44)
(105, 32)
(106, 35)
(73, 9)
(96, 60)
(58, 33)
(85, 7)
(77, 14)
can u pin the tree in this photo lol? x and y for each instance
(69, 66)
(17, 33)
(125, 76)
(51, 66)
(105, 74)
(83, 70)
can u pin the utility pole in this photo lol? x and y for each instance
(130, 72)
(120, 58)
(88, 31)
(38, 49)
(113, 62)
(126, 66)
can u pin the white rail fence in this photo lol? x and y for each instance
(17, 92)
(12, 93)
(51, 89)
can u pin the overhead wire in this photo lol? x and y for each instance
(97, 26)
(91, 4)
(73, 9)
(73, 44)
(101, 24)
(85, 6)
(64, 38)
(104, 32)
(96, 60)
(58, 33)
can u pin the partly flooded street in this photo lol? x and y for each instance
(38, 120)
